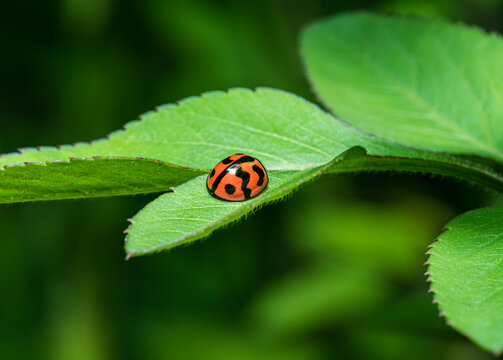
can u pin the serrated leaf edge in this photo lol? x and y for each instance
(177, 104)
(430, 278)
(90, 158)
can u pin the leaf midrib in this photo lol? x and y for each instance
(266, 133)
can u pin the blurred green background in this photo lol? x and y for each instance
(336, 271)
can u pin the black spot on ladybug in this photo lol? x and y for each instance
(244, 184)
(212, 173)
(227, 160)
(244, 159)
(260, 174)
(230, 189)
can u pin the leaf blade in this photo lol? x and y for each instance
(89, 177)
(467, 277)
(393, 77)
(284, 131)
(203, 213)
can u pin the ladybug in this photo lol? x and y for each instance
(237, 177)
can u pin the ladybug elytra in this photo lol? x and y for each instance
(237, 177)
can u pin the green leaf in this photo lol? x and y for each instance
(284, 131)
(190, 213)
(425, 84)
(86, 178)
(467, 275)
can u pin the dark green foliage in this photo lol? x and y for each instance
(326, 275)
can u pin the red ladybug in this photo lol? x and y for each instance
(237, 177)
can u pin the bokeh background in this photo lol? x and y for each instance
(336, 271)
